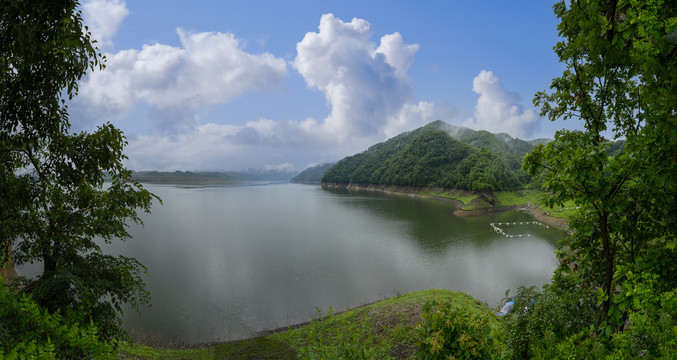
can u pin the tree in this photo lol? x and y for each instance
(55, 204)
(621, 63)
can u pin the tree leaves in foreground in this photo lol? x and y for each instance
(56, 208)
(620, 82)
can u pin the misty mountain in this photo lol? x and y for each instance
(210, 177)
(184, 177)
(312, 175)
(265, 174)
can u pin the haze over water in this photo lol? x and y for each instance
(227, 262)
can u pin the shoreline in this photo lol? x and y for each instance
(389, 317)
(258, 334)
(486, 197)
(542, 216)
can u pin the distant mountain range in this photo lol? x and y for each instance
(436, 155)
(210, 177)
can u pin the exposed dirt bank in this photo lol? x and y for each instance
(542, 216)
(468, 213)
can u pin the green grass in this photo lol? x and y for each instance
(477, 205)
(534, 196)
(384, 330)
(511, 198)
(505, 199)
(257, 348)
(462, 196)
(566, 211)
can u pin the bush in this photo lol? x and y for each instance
(562, 321)
(28, 331)
(651, 334)
(449, 331)
(541, 319)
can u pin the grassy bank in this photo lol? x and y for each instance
(461, 195)
(384, 330)
(517, 198)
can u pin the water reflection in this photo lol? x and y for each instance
(431, 224)
(226, 262)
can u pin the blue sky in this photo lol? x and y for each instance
(214, 85)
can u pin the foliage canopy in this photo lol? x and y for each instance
(430, 156)
(619, 82)
(55, 202)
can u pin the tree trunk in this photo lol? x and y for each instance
(8, 272)
(608, 264)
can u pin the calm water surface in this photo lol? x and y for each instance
(227, 262)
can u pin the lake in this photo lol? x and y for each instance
(227, 262)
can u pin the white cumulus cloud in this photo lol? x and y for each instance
(499, 110)
(209, 68)
(366, 86)
(364, 81)
(398, 54)
(103, 17)
(228, 147)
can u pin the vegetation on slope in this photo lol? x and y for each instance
(431, 157)
(396, 328)
(615, 296)
(312, 175)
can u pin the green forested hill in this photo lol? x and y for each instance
(312, 175)
(439, 155)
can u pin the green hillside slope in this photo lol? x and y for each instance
(438, 155)
(312, 175)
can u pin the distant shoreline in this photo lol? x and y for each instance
(184, 178)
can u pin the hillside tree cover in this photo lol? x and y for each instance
(430, 156)
(54, 202)
(620, 82)
(312, 175)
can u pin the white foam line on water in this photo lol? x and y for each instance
(499, 230)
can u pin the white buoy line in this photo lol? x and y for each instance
(499, 230)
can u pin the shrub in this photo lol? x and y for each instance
(449, 331)
(541, 319)
(28, 331)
